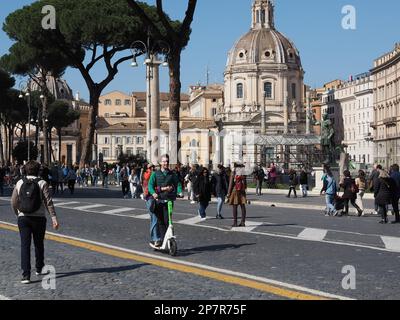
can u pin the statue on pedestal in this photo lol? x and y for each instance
(328, 140)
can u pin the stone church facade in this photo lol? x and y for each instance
(263, 93)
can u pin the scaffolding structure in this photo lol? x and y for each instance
(289, 150)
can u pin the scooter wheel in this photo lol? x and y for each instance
(173, 247)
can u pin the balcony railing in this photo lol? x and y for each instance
(392, 121)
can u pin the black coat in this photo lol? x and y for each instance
(202, 188)
(303, 178)
(346, 185)
(219, 184)
(293, 181)
(384, 191)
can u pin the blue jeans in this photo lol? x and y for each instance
(330, 207)
(154, 231)
(219, 205)
(202, 208)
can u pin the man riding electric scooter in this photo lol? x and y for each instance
(163, 186)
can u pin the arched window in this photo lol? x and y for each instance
(268, 89)
(194, 143)
(262, 16)
(239, 90)
(293, 91)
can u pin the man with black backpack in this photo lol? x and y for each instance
(30, 198)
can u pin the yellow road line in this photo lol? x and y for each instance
(282, 292)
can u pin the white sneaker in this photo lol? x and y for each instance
(203, 219)
(192, 202)
(42, 273)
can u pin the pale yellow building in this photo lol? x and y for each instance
(386, 86)
(122, 124)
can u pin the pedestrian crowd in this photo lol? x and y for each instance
(385, 185)
(162, 185)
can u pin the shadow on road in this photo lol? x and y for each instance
(214, 248)
(101, 270)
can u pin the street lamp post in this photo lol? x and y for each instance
(153, 89)
(24, 85)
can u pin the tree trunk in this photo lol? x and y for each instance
(10, 142)
(50, 150)
(174, 106)
(88, 139)
(1, 146)
(46, 156)
(59, 144)
(7, 146)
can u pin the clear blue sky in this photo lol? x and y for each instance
(327, 50)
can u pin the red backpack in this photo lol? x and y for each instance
(239, 183)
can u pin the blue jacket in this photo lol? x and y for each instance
(329, 185)
(396, 177)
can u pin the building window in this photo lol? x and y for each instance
(129, 151)
(118, 102)
(127, 102)
(213, 111)
(107, 115)
(139, 140)
(118, 140)
(194, 143)
(139, 151)
(106, 141)
(268, 90)
(107, 102)
(262, 16)
(106, 152)
(128, 140)
(293, 91)
(239, 90)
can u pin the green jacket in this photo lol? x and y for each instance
(160, 179)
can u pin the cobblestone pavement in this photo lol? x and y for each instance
(86, 275)
(285, 246)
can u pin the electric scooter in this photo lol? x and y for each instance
(169, 244)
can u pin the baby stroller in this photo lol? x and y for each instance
(339, 203)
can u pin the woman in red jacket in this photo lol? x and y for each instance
(237, 194)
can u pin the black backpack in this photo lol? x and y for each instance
(29, 198)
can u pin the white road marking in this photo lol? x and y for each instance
(202, 266)
(195, 222)
(4, 298)
(143, 216)
(65, 203)
(313, 234)
(250, 226)
(190, 221)
(118, 210)
(391, 243)
(92, 206)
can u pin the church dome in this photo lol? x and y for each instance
(58, 87)
(263, 43)
(263, 46)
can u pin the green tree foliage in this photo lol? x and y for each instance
(177, 35)
(88, 32)
(20, 152)
(36, 63)
(6, 83)
(61, 115)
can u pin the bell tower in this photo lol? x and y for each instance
(263, 14)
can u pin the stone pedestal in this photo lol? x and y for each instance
(319, 172)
